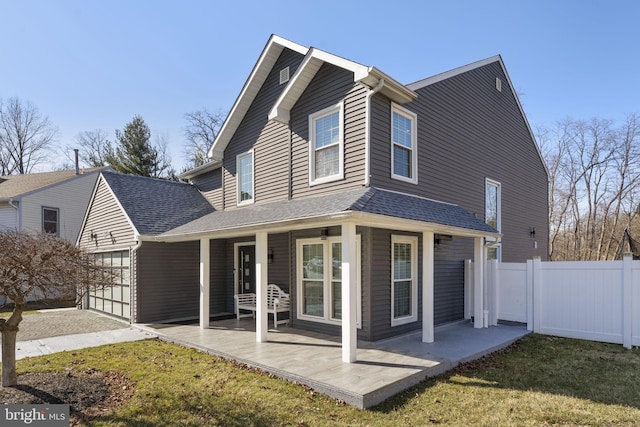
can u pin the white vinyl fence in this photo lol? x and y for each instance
(592, 300)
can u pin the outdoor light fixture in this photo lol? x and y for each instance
(324, 232)
(532, 232)
(270, 256)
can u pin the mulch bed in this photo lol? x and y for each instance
(89, 393)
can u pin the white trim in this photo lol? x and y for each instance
(327, 279)
(395, 108)
(338, 108)
(239, 158)
(498, 185)
(413, 317)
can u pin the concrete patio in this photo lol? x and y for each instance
(383, 368)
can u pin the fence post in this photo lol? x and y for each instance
(494, 287)
(536, 284)
(529, 294)
(627, 302)
(468, 289)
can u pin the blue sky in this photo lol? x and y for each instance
(95, 64)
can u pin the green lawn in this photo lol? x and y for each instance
(540, 381)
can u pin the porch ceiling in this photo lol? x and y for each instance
(367, 206)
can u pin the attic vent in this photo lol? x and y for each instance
(498, 84)
(284, 75)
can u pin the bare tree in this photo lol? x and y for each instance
(26, 136)
(201, 130)
(93, 147)
(45, 266)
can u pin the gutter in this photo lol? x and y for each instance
(367, 133)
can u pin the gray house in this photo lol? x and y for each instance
(359, 196)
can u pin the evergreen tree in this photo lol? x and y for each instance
(134, 153)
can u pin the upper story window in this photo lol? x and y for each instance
(244, 168)
(51, 220)
(404, 148)
(326, 147)
(492, 214)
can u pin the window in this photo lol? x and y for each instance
(326, 145)
(51, 220)
(492, 213)
(115, 299)
(404, 150)
(320, 280)
(244, 165)
(404, 280)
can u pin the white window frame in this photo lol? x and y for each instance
(339, 108)
(239, 158)
(413, 317)
(498, 185)
(395, 108)
(327, 290)
(57, 211)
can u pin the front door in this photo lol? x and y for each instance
(246, 264)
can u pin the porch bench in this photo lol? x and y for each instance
(277, 302)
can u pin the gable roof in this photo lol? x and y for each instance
(155, 205)
(363, 200)
(12, 186)
(474, 65)
(314, 58)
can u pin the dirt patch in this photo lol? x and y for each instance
(88, 393)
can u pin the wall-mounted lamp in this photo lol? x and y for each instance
(532, 232)
(324, 233)
(270, 256)
(94, 236)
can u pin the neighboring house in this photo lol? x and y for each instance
(52, 202)
(358, 195)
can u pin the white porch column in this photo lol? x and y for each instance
(205, 280)
(427, 286)
(478, 282)
(349, 294)
(262, 317)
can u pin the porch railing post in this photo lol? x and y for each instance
(262, 317)
(427, 287)
(205, 280)
(349, 294)
(478, 282)
(627, 301)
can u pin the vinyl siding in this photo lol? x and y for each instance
(269, 140)
(218, 289)
(106, 216)
(467, 132)
(71, 197)
(7, 216)
(381, 286)
(168, 282)
(330, 86)
(210, 185)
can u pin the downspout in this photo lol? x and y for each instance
(17, 208)
(133, 276)
(367, 133)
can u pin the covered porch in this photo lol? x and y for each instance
(382, 369)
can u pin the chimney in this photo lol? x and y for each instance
(75, 150)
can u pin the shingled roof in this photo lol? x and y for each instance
(368, 200)
(155, 205)
(17, 185)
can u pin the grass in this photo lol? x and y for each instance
(33, 307)
(540, 381)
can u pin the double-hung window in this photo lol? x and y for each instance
(404, 280)
(326, 145)
(492, 213)
(320, 280)
(404, 148)
(51, 220)
(244, 165)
